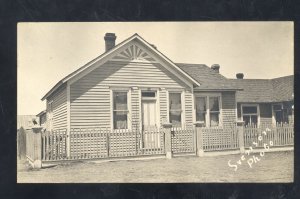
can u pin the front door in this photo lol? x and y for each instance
(151, 138)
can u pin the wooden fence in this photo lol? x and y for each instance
(104, 143)
(218, 139)
(21, 143)
(183, 139)
(101, 143)
(54, 145)
(279, 135)
(30, 152)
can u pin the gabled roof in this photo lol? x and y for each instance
(208, 78)
(105, 54)
(265, 90)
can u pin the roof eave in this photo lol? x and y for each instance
(61, 82)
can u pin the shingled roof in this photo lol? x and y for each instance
(207, 77)
(283, 88)
(265, 90)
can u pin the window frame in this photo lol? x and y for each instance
(249, 114)
(128, 91)
(282, 112)
(207, 111)
(182, 105)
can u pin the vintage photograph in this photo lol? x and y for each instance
(155, 102)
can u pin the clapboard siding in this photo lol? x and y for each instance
(59, 106)
(90, 106)
(147, 75)
(135, 110)
(188, 107)
(163, 106)
(90, 95)
(228, 109)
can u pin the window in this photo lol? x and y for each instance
(148, 94)
(120, 110)
(201, 109)
(280, 114)
(175, 108)
(250, 114)
(214, 111)
(208, 110)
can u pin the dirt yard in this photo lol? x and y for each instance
(272, 167)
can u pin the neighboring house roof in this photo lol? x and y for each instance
(41, 113)
(26, 121)
(283, 88)
(105, 55)
(207, 77)
(265, 90)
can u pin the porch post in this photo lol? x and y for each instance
(168, 140)
(240, 134)
(36, 161)
(199, 138)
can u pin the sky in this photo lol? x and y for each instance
(47, 52)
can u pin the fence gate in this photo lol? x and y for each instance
(183, 140)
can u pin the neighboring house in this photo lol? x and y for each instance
(134, 86)
(42, 118)
(26, 121)
(265, 102)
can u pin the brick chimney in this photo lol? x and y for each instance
(240, 75)
(110, 39)
(215, 67)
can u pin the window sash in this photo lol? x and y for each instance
(250, 119)
(214, 104)
(245, 111)
(120, 109)
(211, 115)
(175, 109)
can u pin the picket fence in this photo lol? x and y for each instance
(183, 139)
(104, 143)
(219, 139)
(279, 135)
(101, 143)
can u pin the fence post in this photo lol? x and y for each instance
(37, 147)
(240, 132)
(199, 138)
(21, 143)
(168, 140)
